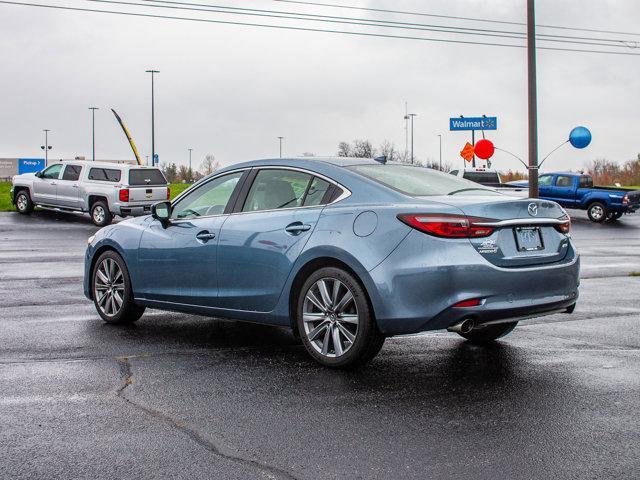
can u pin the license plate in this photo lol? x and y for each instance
(528, 239)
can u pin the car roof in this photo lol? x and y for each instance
(90, 163)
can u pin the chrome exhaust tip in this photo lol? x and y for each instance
(464, 326)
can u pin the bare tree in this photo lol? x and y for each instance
(209, 164)
(344, 149)
(185, 174)
(388, 149)
(363, 149)
(170, 171)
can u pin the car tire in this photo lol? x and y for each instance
(100, 214)
(24, 204)
(111, 290)
(335, 322)
(482, 335)
(597, 212)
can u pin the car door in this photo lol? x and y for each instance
(45, 186)
(260, 242)
(177, 263)
(563, 190)
(67, 192)
(544, 184)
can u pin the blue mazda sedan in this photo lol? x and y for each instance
(345, 252)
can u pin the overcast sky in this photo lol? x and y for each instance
(231, 90)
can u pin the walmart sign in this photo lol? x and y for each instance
(473, 123)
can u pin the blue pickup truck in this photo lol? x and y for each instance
(576, 190)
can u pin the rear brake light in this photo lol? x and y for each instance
(473, 302)
(448, 226)
(124, 195)
(625, 200)
(564, 227)
(168, 193)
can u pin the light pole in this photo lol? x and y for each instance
(190, 150)
(280, 139)
(407, 117)
(46, 147)
(93, 131)
(153, 126)
(440, 139)
(533, 100)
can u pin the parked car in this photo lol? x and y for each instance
(576, 190)
(490, 178)
(102, 189)
(344, 251)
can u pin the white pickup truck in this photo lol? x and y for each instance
(100, 188)
(491, 178)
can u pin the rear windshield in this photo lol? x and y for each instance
(146, 176)
(483, 178)
(420, 181)
(104, 174)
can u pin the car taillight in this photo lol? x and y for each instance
(168, 193)
(625, 200)
(565, 226)
(472, 302)
(124, 195)
(445, 225)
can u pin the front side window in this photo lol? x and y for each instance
(420, 181)
(277, 188)
(53, 172)
(105, 174)
(208, 199)
(545, 180)
(564, 181)
(72, 172)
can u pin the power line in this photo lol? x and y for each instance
(373, 23)
(451, 17)
(306, 29)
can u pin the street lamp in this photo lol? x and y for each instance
(407, 117)
(93, 131)
(46, 147)
(280, 139)
(190, 150)
(153, 127)
(440, 140)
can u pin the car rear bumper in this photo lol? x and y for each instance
(134, 210)
(418, 284)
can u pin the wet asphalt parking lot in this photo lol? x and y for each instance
(180, 396)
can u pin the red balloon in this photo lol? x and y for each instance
(484, 149)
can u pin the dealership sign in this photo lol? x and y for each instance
(473, 123)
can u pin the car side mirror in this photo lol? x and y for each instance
(162, 212)
(39, 174)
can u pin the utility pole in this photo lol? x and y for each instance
(280, 138)
(533, 101)
(406, 129)
(190, 150)
(46, 147)
(153, 126)
(410, 116)
(93, 131)
(440, 140)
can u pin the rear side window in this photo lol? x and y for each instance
(105, 174)
(146, 176)
(72, 172)
(586, 182)
(564, 181)
(316, 192)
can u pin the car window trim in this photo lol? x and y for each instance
(243, 198)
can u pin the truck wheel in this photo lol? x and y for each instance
(100, 214)
(597, 212)
(24, 204)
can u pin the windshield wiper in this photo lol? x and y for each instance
(469, 189)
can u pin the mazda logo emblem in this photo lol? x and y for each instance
(532, 209)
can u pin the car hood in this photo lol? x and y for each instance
(24, 176)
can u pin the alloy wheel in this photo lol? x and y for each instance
(21, 202)
(330, 317)
(109, 287)
(98, 214)
(597, 212)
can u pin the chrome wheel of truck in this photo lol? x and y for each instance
(597, 212)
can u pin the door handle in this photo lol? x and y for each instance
(53, 183)
(296, 228)
(75, 186)
(205, 236)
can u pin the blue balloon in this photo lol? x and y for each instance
(580, 137)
